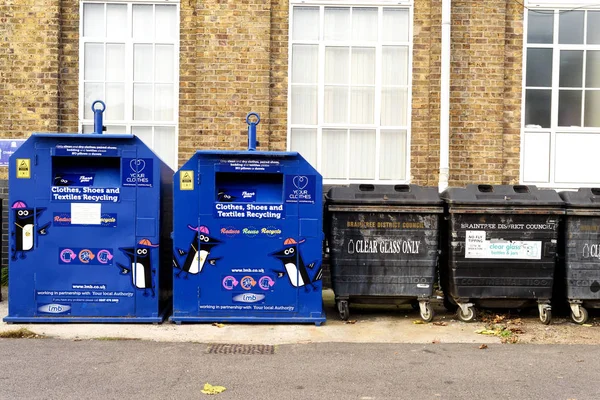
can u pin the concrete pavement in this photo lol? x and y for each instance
(374, 324)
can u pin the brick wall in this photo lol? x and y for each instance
(29, 66)
(485, 93)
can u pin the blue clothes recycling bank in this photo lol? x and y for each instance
(89, 221)
(247, 235)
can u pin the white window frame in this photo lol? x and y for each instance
(321, 86)
(129, 42)
(551, 6)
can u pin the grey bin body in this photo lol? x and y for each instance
(501, 247)
(581, 244)
(384, 244)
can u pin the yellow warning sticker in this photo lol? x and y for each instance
(24, 168)
(186, 180)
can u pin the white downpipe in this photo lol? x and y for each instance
(445, 97)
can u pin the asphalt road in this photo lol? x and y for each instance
(125, 369)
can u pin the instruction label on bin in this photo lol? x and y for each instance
(23, 168)
(186, 180)
(87, 150)
(245, 165)
(476, 246)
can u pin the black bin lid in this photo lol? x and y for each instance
(371, 194)
(502, 195)
(583, 198)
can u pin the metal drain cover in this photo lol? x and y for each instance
(240, 349)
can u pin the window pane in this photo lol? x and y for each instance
(116, 21)
(142, 101)
(362, 153)
(540, 27)
(94, 62)
(305, 63)
(115, 62)
(93, 20)
(592, 69)
(593, 27)
(163, 102)
(337, 23)
(336, 104)
(364, 24)
(592, 105)
(115, 101)
(395, 24)
(363, 66)
(87, 129)
(571, 68)
(166, 22)
(115, 129)
(539, 67)
(336, 65)
(334, 157)
(392, 154)
(394, 102)
(570, 27)
(163, 59)
(362, 105)
(144, 133)
(569, 108)
(304, 141)
(394, 68)
(91, 93)
(165, 144)
(537, 107)
(143, 22)
(306, 23)
(142, 63)
(304, 105)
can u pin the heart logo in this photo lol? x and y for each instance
(300, 181)
(137, 165)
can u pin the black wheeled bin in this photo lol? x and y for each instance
(581, 247)
(501, 248)
(384, 244)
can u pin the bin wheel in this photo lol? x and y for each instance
(546, 316)
(468, 317)
(583, 316)
(449, 305)
(343, 309)
(427, 316)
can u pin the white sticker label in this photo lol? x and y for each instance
(86, 213)
(476, 246)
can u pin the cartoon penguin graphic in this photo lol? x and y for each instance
(198, 252)
(140, 265)
(294, 265)
(24, 228)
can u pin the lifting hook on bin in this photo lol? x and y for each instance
(98, 128)
(252, 130)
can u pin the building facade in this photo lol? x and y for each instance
(353, 85)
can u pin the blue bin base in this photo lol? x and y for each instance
(318, 321)
(98, 320)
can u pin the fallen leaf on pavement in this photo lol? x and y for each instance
(588, 325)
(435, 341)
(483, 346)
(485, 332)
(350, 321)
(210, 389)
(418, 322)
(218, 325)
(439, 323)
